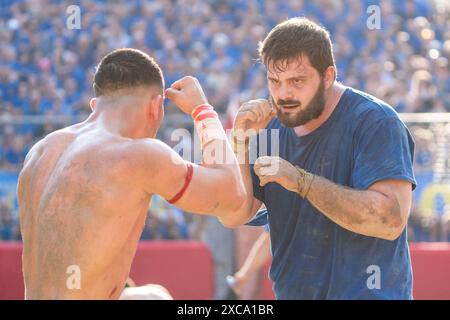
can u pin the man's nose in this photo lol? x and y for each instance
(284, 93)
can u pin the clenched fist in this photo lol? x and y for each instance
(186, 93)
(253, 116)
(276, 169)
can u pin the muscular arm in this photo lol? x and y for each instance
(252, 117)
(216, 189)
(381, 211)
(251, 204)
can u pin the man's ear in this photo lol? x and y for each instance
(155, 107)
(330, 76)
(92, 103)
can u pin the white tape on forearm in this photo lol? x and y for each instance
(208, 130)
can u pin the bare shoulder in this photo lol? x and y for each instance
(51, 139)
(152, 149)
(39, 149)
(153, 163)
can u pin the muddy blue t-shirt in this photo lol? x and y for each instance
(362, 142)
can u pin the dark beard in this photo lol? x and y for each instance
(311, 111)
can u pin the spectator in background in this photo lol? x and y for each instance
(151, 228)
(418, 226)
(15, 152)
(422, 92)
(8, 228)
(165, 221)
(446, 226)
(424, 149)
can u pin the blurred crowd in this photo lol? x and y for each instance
(46, 69)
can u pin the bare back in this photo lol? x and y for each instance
(81, 214)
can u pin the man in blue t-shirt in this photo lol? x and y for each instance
(337, 182)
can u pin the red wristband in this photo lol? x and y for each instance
(209, 115)
(200, 108)
(187, 181)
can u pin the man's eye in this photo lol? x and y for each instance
(298, 81)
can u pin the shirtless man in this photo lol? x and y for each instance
(84, 190)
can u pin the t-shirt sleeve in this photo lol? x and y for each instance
(260, 219)
(383, 150)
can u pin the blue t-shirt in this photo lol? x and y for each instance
(363, 141)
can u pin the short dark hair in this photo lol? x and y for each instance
(296, 36)
(126, 68)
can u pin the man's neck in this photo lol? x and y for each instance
(122, 121)
(332, 98)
